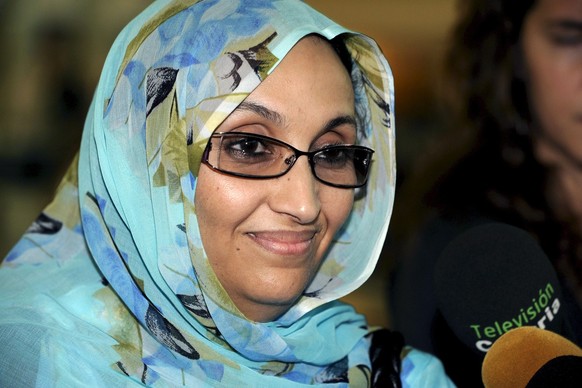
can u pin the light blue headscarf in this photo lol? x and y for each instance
(111, 285)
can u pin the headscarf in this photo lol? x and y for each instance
(114, 271)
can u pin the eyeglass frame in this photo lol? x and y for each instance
(296, 154)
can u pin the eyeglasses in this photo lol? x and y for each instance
(255, 156)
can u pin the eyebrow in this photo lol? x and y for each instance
(263, 111)
(338, 121)
(278, 119)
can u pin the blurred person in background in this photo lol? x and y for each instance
(513, 154)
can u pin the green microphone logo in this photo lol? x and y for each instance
(543, 309)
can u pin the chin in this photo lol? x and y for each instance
(268, 307)
(268, 293)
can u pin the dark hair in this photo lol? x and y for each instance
(487, 96)
(484, 66)
(340, 48)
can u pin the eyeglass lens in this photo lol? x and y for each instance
(257, 156)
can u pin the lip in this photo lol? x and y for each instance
(285, 243)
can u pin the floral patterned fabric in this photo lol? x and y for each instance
(111, 285)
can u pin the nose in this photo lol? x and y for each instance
(297, 193)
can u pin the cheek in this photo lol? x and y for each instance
(220, 206)
(546, 93)
(555, 96)
(554, 86)
(544, 75)
(337, 205)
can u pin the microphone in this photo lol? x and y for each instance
(532, 357)
(490, 279)
(493, 278)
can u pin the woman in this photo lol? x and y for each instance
(217, 213)
(513, 155)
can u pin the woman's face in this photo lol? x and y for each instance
(552, 44)
(265, 239)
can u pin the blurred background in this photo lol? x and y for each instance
(53, 51)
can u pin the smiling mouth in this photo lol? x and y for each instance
(285, 243)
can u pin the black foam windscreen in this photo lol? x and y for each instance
(562, 371)
(493, 278)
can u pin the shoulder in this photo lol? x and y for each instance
(396, 365)
(51, 326)
(20, 349)
(421, 369)
(55, 350)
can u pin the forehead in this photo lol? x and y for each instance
(559, 8)
(309, 81)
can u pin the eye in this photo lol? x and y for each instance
(333, 157)
(244, 148)
(249, 149)
(566, 39)
(566, 33)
